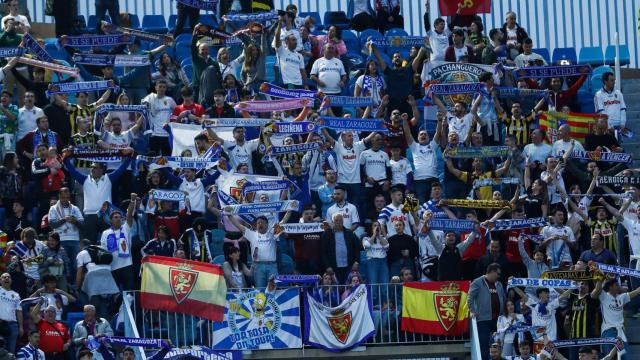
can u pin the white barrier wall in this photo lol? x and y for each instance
(550, 23)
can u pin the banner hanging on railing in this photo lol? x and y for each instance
(342, 327)
(257, 320)
(202, 353)
(435, 308)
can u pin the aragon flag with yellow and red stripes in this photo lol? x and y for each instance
(183, 286)
(435, 308)
(581, 124)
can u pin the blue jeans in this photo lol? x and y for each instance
(262, 271)
(378, 273)
(102, 6)
(612, 332)
(72, 248)
(14, 331)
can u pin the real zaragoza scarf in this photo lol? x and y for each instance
(478, 204)
(477, 152)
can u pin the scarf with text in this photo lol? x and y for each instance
(355, 101)
(253, 17)
(138, 33)
(295, 127)
(111, 60)
(81, 86)
(602, 156)
(510, 224)
(551, 71)
(34, 48)
(618, 180)
(201, 4)
(454, 88)
(298, 279)
(98, 155)
(478, 204)
(49, 66)
(277, 91)
(263, 207)
(234, 122)
(295, 148)
(270, 185)
(512, 92)
(622, 271)
(477, 152)
(577, 275)
(350, 124)
(6, 52)
(168, 195)
(399, 41)
(274, 105)
(302, 228)
(546, 283)
(179, 162)
(452, 225)
(96, 40)
(478, 183)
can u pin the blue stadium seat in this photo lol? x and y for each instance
(610, 55)
(365, 35)
(315, 16)
(596, 77)
(186, 61)
(396, 32)
(218, 260)
(544, 52)
(337, 18)
(564, 54)
(73, 318)
(54, 51)
(350, 40)
(184, 37)
(591, 56)
(188, 69)
(183, 51)
(269, 67)
(208, 20)
(135, 21)
(92, 22)
(154, 24)
(585, 101)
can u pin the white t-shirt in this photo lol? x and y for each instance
(439, 43)
(51, 300)
(330, 73)
(373, 249)
(239, 154)
(348, 211)
(557, 251)
(399, 171)
(83, 259)
(425, 160)
(560, 147)
(160, 111)
(233, 68)
(512, 36)
(460, 52)
(522, 60)
(266, 244)
(552, 189)
(633, 228)
(374, 87)
(27, 120)
(390, 214)
(612, 104)
(612, 312)
(121, 141)
(10, 302)
(349, 161)
(462, 125)
(547, 320)
(290, 62)
(195, 191)
(284, 33)
(537, 152)
(375, 164)
(122, 251)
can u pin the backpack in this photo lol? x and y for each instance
(99, 256)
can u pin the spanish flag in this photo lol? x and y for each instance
(581, 124)
(184, 286)
(435, 308)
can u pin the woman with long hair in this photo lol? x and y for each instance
(327, 293)
(172, 73)
(56, 261)
(475, 37)
(228, 66)
(505, 321)
(334, 37)
(371, 84)
(236, 273)
(232, 87)
(251, 66)
(127, 118)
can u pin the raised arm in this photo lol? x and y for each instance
(131, 209)
(114, 176)
(439, 104)
(376, 53)
(407, 132)
(236, 222)
(417, 62)
(456, 172)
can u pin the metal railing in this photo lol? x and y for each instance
(184, 329)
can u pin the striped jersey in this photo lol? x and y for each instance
(390, 214)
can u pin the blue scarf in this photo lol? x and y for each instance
(551, 71)
(112, 60)
(347, 124)
(36, 49)
(11, 52)
(295, 127)
(508, 224)
(50, 141)
(369, 81)
(357, 101)
(201, 4)
(296, 148)
(452, 225)
(602, 156)
(255, 17)
(96, 40)
(277, 91)
(86, 86)
(113, 244)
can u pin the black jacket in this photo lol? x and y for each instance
(329, 248)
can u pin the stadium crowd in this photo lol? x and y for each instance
(76, 230)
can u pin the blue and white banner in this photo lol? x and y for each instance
(82, 86)
(257, 17)
(272, 185)
(296, 148)
(234, 122)
(34, 48)
(444, 72)
(137, 33)
(111, 60)
(95, 40)
(202, 353)
(182, 137)
(179, 162)
(399, 41)
(167, 195)
(126, 341)
(342, 327)
(11, 52)
(551, 71)
(277, 91)
(229, 190)
(302, 228)
(537, 238)
(298, 279)
(201, 4)
(350, 124)
(496, 181)
(476, 152)
(256, 320)
(545, 283)
(358, 101)
(512, 92)
(452, 225)
(256, 208)
(523, 328)
(295, 127)
(602, 156)
(584, 342)
(455, 88)
(618, 270)
(508, 224)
